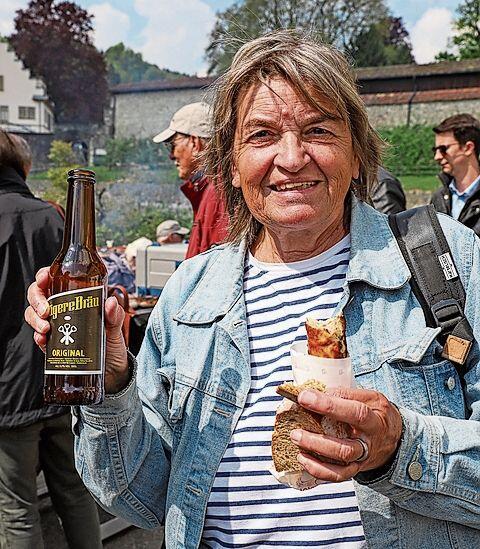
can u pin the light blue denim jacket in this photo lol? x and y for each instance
(150, 453)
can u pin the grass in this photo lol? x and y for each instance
(420, 182)
(103, 173)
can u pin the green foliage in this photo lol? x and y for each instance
(134, 151)
(103, 173)
(142, 222)
(410, 150)
(467, 36)
(63, 160)
(119, 151)
(445, 56)
(334, 22)
(384, 43)
(57, 190)
(427, 183)
(125, 65)
(61, 153)
(54, 40)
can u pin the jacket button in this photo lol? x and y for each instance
(445, 196)
(415, 470)
(450, 383)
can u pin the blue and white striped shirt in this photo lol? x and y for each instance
(248, 507)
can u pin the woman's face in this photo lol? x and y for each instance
(293, 164)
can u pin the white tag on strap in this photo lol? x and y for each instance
(448, 266)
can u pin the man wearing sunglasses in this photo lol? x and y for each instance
(457, 151)
(186, 138)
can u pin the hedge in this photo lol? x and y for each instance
(409, 153)
(130, 150)
(410, 150)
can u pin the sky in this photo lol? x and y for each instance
(173, 34)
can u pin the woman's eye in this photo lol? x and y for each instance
(318, 131)
(260, 134)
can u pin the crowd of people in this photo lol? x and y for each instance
(280, 170)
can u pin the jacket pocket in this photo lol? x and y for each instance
(412, 373)
(426, 382)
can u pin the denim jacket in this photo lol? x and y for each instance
(150, 453)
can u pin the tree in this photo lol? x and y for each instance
(125, 65)
(467, 37)
(384, 43)
(337, 22)
(54, 42)
(63, 160)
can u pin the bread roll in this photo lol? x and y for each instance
(326, 338)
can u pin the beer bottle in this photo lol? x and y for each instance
(75, 352)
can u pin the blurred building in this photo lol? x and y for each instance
(395, 95)
(420, 94)
(24, 103)
(141, 109)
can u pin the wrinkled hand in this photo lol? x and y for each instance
(116, 367)
(371, 416)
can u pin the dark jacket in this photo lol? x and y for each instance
(209, 217)
(30, 238)
(387, 195)
(442, 201)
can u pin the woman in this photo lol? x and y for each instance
(184, 437)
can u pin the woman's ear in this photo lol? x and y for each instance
(235, 178)
(355, 168)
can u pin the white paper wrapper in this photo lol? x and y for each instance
(334, 373)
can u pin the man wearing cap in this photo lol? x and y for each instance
(170, 232)
(186, 137)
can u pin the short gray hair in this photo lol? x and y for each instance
(310, 67)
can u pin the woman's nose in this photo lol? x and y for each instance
(291, 154)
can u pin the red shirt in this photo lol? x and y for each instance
(210, 220)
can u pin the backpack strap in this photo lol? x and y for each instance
(435, 281)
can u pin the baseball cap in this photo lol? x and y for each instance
(170, 226)
(131, 249)
(192, 119)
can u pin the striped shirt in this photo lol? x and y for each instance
(248, 507)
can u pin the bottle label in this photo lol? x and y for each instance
(76, 344)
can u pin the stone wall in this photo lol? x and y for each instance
(425, 114)
(40, 146)
(142, 115)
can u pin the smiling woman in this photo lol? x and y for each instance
(316, 85)
(294, 166)
(185, 435)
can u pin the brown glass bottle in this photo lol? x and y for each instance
(75, 353)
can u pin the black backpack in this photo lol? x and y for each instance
(435, 281)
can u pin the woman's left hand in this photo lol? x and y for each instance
(372, 417)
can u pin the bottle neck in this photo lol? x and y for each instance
(80, 214)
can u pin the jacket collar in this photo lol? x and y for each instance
(375, 259)
(445, 179)
(225, 275)
(12, 182)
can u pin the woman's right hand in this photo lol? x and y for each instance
(116, 366)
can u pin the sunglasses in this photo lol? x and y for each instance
(174, 142)
(442, 149)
